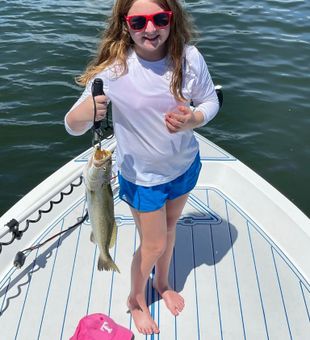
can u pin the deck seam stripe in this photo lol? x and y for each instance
(195, 285)
(71, 279)
(6, 291)
(215, 274)
(235, 269)
(304, 298)
(26, 296)
(92, 275)
(50, 282)
(113, 273)
(91, 280)
(281, 293)
(287, 261)
(257, 280)
(217, 285)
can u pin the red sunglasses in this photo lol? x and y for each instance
(139, 22)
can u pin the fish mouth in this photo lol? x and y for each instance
(102, 154)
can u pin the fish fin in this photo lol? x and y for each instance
(107, 265)
(92, 237)
(114, 235)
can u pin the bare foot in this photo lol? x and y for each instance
(173, 300)
(142, 318)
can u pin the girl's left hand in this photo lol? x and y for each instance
(180, 121)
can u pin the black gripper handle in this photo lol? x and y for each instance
(97, 90)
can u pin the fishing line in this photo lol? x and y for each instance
(21, 255)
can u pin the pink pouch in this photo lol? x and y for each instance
(100, 327)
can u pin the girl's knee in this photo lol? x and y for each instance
(155, 248)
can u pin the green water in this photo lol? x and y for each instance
(258, 50)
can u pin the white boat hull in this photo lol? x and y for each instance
(241, 261)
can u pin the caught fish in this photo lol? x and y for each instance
(97, 178)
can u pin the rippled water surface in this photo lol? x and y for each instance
(258, 50)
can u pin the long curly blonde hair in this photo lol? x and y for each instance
(116, 42)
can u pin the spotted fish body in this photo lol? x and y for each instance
(97, 178)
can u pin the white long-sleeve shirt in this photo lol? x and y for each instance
(147, 153)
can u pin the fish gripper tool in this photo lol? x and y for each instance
(97, 90)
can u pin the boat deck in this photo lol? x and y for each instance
(236, 281)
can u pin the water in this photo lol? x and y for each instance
(258, 50)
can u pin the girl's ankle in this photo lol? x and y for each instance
(137, 300)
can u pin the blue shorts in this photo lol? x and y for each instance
(152, 198)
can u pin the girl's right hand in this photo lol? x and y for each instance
(79, 118)
(101, 106)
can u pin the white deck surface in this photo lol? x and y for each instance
(237, 281)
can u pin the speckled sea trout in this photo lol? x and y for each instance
(97, 177)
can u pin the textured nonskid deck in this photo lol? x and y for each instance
(236, 283)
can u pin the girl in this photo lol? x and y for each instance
(151, 75)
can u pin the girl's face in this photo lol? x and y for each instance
(150, 42)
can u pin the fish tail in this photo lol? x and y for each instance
(107, 265)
